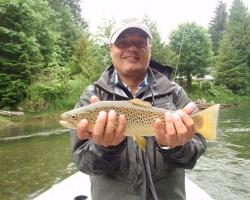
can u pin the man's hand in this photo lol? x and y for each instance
(179, 127)
(104, 132)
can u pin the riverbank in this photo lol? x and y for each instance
(14, 121)
(54, 110)
(4, 122)
(229, 100)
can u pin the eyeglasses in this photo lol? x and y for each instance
(139, 44)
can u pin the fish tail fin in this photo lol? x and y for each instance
(141, 142)
(206, 121)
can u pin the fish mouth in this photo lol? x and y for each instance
(67, 124)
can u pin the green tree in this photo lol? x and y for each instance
(160, 50)
(31, 33)
(217, 25)
(75, 8)
(83, 62)
(232, 64)
(20, 54)
(69, 26)
(100, 42)
(47, 34)
(196, 50)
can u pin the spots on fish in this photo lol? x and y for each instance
(141, 116)
(198, 120)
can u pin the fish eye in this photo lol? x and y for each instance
(73, 117)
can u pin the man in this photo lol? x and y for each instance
(118, 169)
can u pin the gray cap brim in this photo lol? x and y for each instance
(115, 35)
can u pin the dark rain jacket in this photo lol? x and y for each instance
(121, 172)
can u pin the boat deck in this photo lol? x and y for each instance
(79, 184)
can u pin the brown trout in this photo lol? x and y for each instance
(140, 116)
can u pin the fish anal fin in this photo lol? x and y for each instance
(141, 142)
(206, 121)
(139, 102)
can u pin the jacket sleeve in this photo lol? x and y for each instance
(184, 156)
(90, 158)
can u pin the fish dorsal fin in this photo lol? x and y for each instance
(139, 102)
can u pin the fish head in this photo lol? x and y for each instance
(72, 118)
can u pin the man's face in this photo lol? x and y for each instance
(131, 52)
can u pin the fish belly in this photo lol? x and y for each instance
(140, 131)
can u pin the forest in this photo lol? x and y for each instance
(48, 56)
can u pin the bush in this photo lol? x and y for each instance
(195, 87)
(207, 85)
(69, 100)
(218, 94)
(40, 94)
(241, 92)
(50, 85)
(223, 89)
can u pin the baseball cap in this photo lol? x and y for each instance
(125, 24)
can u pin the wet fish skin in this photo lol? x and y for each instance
(140, 116)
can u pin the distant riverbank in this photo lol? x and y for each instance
(54, 110)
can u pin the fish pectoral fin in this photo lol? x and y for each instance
(141, 142)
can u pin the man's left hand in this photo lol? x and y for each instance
(179, 127)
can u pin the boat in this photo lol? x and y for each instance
(77, 187)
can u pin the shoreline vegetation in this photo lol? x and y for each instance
(60, 106)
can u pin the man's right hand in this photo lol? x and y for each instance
(105, 132)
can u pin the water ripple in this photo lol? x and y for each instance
(47, 133)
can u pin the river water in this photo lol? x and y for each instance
(36, 154)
